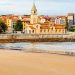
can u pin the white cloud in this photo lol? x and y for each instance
(43, 6)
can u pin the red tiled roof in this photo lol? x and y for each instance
(70, 14)
(14, 19)
(61, 17)
(59, 27)
(25, 17)
(31, 27)
(44, 27)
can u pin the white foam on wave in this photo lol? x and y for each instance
(65, 46)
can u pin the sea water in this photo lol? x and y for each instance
(56, 46)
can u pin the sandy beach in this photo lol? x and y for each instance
(21, 63)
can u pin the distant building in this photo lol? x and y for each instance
(43, 25)
(34, 24)
(11, 22)
(41, 19)
(70, 19)
(53, 19)
(34, 17)
(9, 25)
(24, 25)
(61, 20)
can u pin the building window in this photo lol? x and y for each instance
(59, 30)
(32, 31)
(48, 30)
(62, 21)
(41, 30)
(44, 30)
(63, 30)
(51, 28)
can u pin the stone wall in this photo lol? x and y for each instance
(36, 37)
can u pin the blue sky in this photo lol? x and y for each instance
(44, 7)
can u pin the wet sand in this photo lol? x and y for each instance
(21, 63)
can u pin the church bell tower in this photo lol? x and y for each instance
(34, 17)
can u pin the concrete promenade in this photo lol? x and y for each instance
(37, 37)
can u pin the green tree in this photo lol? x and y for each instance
(18, 26)
(3, 27)
(72, 29)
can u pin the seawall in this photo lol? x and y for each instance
(36, 38)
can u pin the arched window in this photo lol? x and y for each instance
(59, 30)
(52, 28)
(32, 31)
(48, 30)
(44, 30)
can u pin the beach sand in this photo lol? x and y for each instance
(21, 63)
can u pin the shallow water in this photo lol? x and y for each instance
(56, 46)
